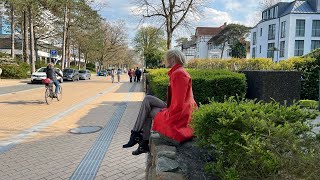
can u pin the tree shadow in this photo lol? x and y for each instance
(22, 102)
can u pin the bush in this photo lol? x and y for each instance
(15, 71)
(91, 67)
(206, 84)
(251, 140)
(311, 104)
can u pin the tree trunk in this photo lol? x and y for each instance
(85, 60)
(32, 53)
(79, 55)
(68, 38)
(222, 50)
(169, 38)
(36, 50)
(64, 36)
(12, 32)
(25, 39)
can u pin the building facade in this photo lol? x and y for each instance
(287, 29)
(189, 49)
(206, 48)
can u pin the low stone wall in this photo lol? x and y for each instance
(173, 161)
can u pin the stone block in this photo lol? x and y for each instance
(165, 164)
(170, 176)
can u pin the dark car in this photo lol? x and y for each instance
(102, 73)
(84, 74)
(70, 74)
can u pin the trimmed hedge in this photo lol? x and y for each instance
(309, 66)
(205, 83)
(255, 140)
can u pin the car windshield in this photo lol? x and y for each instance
(67, 71)
(82, 71)
(42, 70)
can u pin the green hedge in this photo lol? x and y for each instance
(251, 140)
(15, 71)
(206, 84)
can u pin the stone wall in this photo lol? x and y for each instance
(169, 160)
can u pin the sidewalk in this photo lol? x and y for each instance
(54, 153)
(13, 82)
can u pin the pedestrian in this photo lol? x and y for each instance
(118, 74)
(134, 75)
(138, 74)
(171, 119)
(112, 75)
(130, 73)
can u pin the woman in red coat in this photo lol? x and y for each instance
(172, 119)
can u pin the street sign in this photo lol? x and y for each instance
(53, 53)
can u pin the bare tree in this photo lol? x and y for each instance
(264, 4)
(170, 13)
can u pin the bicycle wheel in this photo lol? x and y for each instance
(48, 95)
(59, 95)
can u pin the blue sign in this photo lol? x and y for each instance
(53, 52)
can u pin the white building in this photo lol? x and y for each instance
(189, 49)
(287, 29)
(205, 47)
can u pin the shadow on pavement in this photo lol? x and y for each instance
(22, 102)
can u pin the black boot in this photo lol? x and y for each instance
(135, 138)
(143, 148)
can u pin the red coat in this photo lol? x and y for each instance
(174, 121)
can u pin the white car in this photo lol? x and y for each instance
(40, 74)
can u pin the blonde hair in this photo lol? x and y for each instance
(176, 55)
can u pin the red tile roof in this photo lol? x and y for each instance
(210, 31)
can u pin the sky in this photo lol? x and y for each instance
(214, 14)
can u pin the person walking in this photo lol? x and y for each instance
(134, 75)
(138, 74)
(130, 73)
(171, 119)
(118, 74)
(112, 75)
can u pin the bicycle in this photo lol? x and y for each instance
(50, 95)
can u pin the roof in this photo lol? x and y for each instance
(210, 31)
(298, 7)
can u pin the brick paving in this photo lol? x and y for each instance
(54, 153)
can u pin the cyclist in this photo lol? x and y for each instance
(51, 74)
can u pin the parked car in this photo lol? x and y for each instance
(102, 73)
(70, 74)
(84, 74)
(40, 74)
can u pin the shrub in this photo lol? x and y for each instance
(255, 140)
(206, 84)
(91, 67)
(311, 104)
(15, 71)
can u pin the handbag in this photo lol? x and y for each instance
(46, 81)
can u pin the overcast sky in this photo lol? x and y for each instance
(214, 14)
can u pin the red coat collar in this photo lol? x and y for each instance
(175, 67)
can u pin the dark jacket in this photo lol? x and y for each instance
(138, 72)
(52, 73)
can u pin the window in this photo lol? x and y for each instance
(260, 32)
(254, 38)
(298, 48)
(283, 29)
(316, 28)
(276, 12)
(272, 32)
(253, 52)
(300, 27)
(270, 53)
(260, 49)
(315, 45)
(282, 48)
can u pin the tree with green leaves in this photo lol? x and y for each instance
(230, 34)
(150, 42)
(239, 50)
